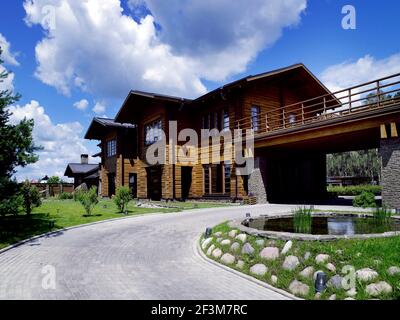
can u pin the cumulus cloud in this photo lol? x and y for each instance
(99, 107)
(7, 83)
(365, 69)
(61, 142)
(82, 104)
(98, 48)
(7, 56)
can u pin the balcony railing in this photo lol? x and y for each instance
(378, 94)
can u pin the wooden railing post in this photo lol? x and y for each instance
(266, 122)
(302, 113)
(378, 90)
(325, 107)
(284, 116)
(350, 100)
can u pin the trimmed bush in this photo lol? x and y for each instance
(365, 200)
(355, 190)
(122, 198)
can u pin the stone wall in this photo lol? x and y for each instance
(257, 180)
(390, 153)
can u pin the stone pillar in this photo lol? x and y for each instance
(257, 181)
(390, 180)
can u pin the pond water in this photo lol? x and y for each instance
(326, 225)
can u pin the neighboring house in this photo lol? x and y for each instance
(83, 172)
(125, 139)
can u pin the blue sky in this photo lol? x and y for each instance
(97, 53)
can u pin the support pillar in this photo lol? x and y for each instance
(257, 181)
(390, 155)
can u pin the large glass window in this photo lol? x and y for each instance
(111, 148)
(153, 132)
(255, 118)
(227, 178)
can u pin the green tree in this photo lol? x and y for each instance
(122, 198)
(88, 199)
(54, 180)
(31, 197)
(17, 149)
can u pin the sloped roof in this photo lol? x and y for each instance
(80, 168)
(101, 123)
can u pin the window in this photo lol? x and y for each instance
(111, 148)
(206, 179)
(255, 118)
(153, 132)
(227, 178)
(225, 120)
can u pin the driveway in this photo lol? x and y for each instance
(147, 257)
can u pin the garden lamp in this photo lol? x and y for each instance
(208, 232)
(320, 282)
(248, 215)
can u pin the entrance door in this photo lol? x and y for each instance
(111, 184)
(186, 178)
(154, 183)
(133, 184)
(216, 179)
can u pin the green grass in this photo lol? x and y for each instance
(357, 253)
(68, 213)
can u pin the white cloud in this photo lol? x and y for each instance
(365, 69)
(97, 48)
(99, 107)
(82, 104)
(62, 142)
(7, 55)
(7, 83)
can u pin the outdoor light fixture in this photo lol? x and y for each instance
(248, 215)
(398, 211)
(208, 232)
(320, 282)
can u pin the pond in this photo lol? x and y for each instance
(326, 225)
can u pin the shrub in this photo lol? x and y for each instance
(31, 197)
(302, 220)
(365, 200)
(88, 199)
(354, 190)
(77, 195)
(65, 196)
(382, 215)
(10, 206)
(122, 198)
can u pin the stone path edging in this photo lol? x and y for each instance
(201, 254)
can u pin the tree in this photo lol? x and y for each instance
(54, 180)
(88, 199)
(122, 198)
(31, 197)
(17, 149)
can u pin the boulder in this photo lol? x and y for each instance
(376, 289)
(228, 259)
(235, 247)
(335, 282)
(288, 245)
(351, 293)
(291, 263)
(232, 233)
(260, 242)
(321, 258)
(206, 243)
(331, 267)
(259, 269)
(240, 264)
(274, 279)
(307, 272)
(298, 288)
(270, 253)
(307, 256)
(241, 237)
(210, 250)
(332, 297)
(393, 271)
(217, 253)
(226, 242)
(366, 274)
(247, 249)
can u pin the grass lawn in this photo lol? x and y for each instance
(67, 213)
(377, 254)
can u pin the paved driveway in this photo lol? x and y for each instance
(148, 257)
